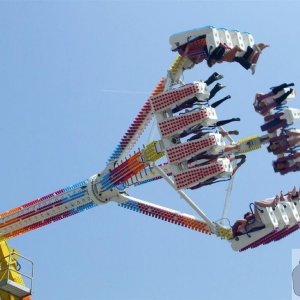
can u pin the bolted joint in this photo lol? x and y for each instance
(99, 196)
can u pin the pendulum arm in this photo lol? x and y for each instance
(186, 198)
(162, 213)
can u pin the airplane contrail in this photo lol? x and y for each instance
(124, 92)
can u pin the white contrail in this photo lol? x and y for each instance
(124, 92)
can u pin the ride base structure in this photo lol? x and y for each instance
(198, 150)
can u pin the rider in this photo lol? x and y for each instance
(248, 60)
(251, 222)
(284, 142)
(287, 164)
(263, 104)
(212, 158)
(197, 51)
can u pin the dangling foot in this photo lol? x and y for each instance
(260, 47)
(217, 103)
(216, 89)
(236, 119)
(214, 77)
(252, 68)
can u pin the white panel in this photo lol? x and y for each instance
(212, 40)
(225, 37)
(237, 39)
(248, 39)
(182, 38)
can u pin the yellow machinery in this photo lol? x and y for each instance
(12, 280)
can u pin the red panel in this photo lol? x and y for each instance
(196, 175)
(179, 123)
(165, 100)
(189, 149)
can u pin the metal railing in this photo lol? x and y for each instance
(10, 265)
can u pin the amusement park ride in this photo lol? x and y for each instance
(198, 151)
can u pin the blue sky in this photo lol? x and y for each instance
(73, 76)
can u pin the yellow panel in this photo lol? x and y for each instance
(150, 153)
(250, 143)
(224, 232)
(177, 65)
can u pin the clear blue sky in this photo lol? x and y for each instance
(60, 121)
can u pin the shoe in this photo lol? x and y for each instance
(252, 68)
(214, 77)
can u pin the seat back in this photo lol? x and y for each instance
(267, 216)
(281, 216)
(291, 212)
